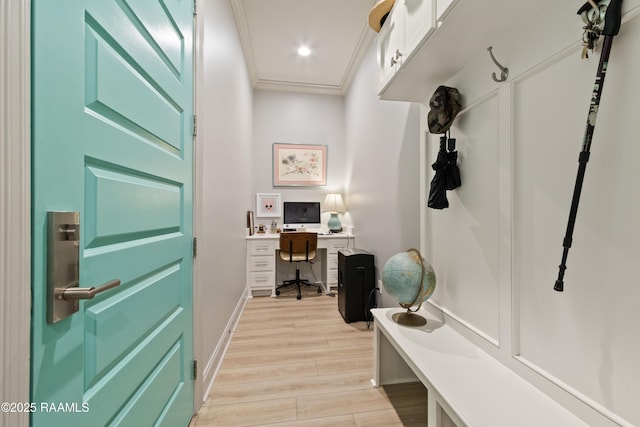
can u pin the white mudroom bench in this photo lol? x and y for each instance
(465, 385)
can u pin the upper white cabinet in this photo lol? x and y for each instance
(408, 24)
(433, 39)
(390, 44)
(419, 22)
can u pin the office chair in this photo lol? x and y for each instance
(297, 247)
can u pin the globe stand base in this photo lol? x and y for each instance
(409, 319)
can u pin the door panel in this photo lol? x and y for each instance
(120, 204)
(112, 108)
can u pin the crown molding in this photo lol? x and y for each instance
(245, 39)
(298, 87)
(366, 38)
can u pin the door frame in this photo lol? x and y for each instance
(15, 218)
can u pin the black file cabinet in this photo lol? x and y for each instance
(356, 280)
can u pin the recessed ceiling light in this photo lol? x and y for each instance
(304, 51)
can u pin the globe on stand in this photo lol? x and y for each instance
(408, 278)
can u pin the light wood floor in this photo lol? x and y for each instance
(297, 363)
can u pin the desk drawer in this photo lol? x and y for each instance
(332, 262)
(262, 248)
(335, 245)
(332, 277)
(261, 280)
(262, 263)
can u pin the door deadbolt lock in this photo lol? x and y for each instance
(63, 267)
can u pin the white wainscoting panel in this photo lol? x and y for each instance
(467, 261)
(496, 250)
(585, 337)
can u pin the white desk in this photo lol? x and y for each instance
(261, 260)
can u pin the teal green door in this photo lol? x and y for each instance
(112, 113)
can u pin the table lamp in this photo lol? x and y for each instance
(334, 204)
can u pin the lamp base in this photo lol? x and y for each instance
(334, 224)
(409, 319)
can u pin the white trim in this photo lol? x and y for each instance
(463, 327)
(602, 410)
(425, 217)
(245, 39)
(198, 42)
(15, 213)
(298, 87)
(210, 371)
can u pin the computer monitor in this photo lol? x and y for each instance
(301, 215)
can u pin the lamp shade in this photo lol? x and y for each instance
(333, 203)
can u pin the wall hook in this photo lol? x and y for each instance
(504, 71)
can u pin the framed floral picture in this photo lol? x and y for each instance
(299, 165)
(268, 205)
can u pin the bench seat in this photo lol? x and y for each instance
(471, 387)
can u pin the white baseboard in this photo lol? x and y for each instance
(214, 361)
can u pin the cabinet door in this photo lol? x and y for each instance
(419, 23)
(390, 45)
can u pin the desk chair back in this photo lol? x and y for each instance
(298, 246)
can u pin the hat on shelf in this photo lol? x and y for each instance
(379, 13)
(445, 105)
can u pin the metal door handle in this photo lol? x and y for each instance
(74, 293)
(63, 267)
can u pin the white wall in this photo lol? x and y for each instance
(373, 150)
(223, 185)
(236, 130)
(297, 118)
(382, 169)
(497, 248)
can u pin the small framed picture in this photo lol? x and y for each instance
(268, 205)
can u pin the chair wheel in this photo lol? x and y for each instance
(277, 292)
(299, 297)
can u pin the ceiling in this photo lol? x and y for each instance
(271, 31)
